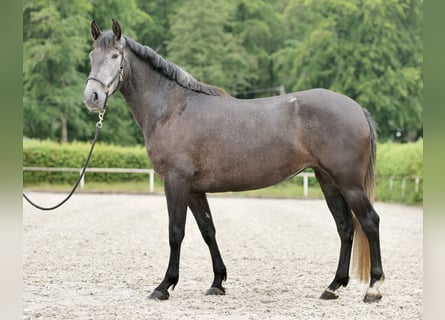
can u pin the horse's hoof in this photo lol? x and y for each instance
(373, 294)
(159, 295)
(329, 295)
(213, 291)
(370, 297)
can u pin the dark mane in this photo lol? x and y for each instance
(169, 70)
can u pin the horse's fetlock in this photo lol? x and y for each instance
(377, 275)
(222, 273)
(173, 281)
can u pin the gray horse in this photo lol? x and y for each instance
(200, 139)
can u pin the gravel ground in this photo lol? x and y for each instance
(100, 255)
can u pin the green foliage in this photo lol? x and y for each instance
(56, 42)
(73, 155)
(158, 34)
(394, 159)
(51, 73)
(398, 165)
(371, 50)
(203, 43)
(259, 28)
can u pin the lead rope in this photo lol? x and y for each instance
(96, 135)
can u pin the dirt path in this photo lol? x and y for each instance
(99, 256)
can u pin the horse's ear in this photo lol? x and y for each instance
(95, 30)
(116, 29)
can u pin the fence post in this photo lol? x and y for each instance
(82, 180)
(305, 185)
(152, 181)
(416, 189)
(403, 187)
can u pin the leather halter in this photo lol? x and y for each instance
(119, 74)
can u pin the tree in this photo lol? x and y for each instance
(158, 33)
(259, 28)
(57, 40)
(203, 43)
(371, 50)
(51, 75)
(132, 18)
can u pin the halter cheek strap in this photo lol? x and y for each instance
(118, 74)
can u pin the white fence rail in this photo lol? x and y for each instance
(403, 180)
(151, 173)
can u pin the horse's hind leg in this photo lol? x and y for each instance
(369, 222)
(343, 219)
(200, 209)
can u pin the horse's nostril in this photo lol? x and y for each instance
(95, 96)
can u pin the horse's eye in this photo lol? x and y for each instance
(114, 56)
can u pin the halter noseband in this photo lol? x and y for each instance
(119, 74)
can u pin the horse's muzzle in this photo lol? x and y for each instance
(93, 98)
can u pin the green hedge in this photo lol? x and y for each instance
(394, 159)
(73, 155)
(397, 167)
(400, 161)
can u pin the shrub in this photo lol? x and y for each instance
(73, 155)
(398, 165)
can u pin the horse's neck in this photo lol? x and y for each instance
(145, 92)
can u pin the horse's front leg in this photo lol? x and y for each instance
(177, 192)
(201, 210)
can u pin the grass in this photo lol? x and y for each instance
(292, 188)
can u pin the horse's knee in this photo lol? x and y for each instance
(346, 230)
(176, 235)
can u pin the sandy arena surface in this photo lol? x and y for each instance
(100, 255)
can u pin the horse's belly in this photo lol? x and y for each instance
(241, 183)
(248, 174)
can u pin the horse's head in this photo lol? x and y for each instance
(107, 63)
